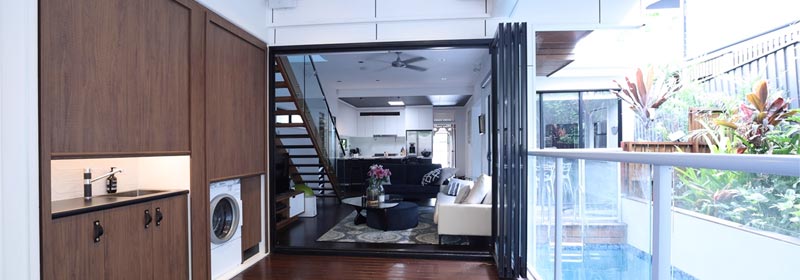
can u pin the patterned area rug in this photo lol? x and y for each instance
(424, 233)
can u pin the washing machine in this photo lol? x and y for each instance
(226, 223)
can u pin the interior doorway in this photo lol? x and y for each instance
(444, 144)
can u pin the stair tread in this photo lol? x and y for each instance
(290, 125)
(296, 146)
(280, 99)
(303, 156)
(287, 112)
(306, 165)
(292, 136)
(283, 84)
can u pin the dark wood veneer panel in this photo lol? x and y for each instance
(170, 239)
(235, 103)
(251, 211)
(71, 251)
(128, 243)
(116, 75)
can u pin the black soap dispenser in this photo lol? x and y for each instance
(111, 183)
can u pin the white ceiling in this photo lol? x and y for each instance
(449, 72)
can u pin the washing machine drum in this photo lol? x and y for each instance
(224, 218)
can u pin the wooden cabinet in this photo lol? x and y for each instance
(170, 238)
(285, 213)
(235, 101)
(114, 76)
(127, 242)
(73, 252)
(147, 240)
(251, 211)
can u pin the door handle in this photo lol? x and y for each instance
(98, 231)
(159, 216)
(147, 218)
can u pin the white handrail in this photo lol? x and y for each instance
(787, 165)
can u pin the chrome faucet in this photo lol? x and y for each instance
(87, 180)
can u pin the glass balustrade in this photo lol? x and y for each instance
(594, 219)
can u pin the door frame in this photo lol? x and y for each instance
(276, 51)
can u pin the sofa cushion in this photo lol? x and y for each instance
(478, 191)
(487, 180)
(446, 174)
(431, 177)
(463, 190)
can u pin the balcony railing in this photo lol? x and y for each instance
(711, 216)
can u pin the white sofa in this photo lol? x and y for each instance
(462, 219)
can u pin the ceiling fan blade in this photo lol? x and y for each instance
(413, 59)
(416, 68)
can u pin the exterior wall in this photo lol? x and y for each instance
(19, 149)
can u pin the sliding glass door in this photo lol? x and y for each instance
(579, 119)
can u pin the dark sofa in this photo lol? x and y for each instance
(407, 178)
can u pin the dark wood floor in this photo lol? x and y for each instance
(279, 266)
(302, 236)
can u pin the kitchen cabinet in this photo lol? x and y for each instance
(369, 126)
(115, 75)
(147, 240)
(418, 118)
(236, 92)
(251, 212)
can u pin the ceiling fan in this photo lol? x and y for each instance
(400, 63)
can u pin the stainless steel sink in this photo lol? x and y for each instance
(135, 193)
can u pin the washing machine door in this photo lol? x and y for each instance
(224, 218)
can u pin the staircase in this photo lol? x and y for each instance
(304, 126)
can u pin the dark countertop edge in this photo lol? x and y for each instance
(104, 206)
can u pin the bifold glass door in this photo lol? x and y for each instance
(509, 149)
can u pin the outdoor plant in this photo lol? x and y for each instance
(754, 121)
(648, 92)
(761, 125)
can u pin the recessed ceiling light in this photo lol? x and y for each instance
(360, 61)
(338, 81)
(442, 59)
(377, 80)
(444, 79)
(397, 103)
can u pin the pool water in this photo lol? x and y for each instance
(600, 262)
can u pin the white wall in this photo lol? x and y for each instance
(250, 15)
(349, 21)
(19, 149)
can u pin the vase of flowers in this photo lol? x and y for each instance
(377, 177)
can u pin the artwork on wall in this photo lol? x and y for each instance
(482, 124)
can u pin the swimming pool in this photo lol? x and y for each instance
(600, 262)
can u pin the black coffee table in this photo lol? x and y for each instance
(360, 204)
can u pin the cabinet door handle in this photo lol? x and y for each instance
(98, 231)
(159, 216)
(147, 218)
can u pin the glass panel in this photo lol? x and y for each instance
(600, 120)
(720, 216)
(541, 209)
(560, 120)
(605, 235)
(313, 105)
